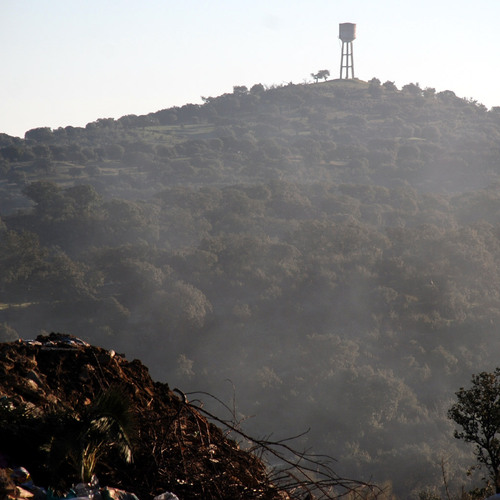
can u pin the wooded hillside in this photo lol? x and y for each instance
(332, 249)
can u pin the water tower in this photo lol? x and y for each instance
(347, 33)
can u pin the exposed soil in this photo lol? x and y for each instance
(175, 448)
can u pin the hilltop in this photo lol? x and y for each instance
(337, 131)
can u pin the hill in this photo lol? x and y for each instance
(332, 249)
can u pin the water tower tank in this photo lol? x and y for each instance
(347, 32)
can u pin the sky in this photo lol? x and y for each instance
(71, 62)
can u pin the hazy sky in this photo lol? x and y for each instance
(70, 62)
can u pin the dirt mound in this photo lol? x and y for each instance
(175, 448)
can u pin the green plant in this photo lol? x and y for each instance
(67, 445)
(107, 425)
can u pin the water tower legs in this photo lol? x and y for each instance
(346, 60)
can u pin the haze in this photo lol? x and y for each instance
(70, 63)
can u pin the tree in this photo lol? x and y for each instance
(375, 87)
(322, 73)
(49, 199)
(84, 198)
(240, 90)
(258, 88)
(477, 411)
(41, 134)
(11, 153)
(413, 89)
(388, 85)
(21, 256)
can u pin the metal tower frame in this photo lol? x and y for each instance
(346, 60)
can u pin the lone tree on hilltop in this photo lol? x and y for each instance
(322, 73)
(477, 411)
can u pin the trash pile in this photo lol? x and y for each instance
(50, 396)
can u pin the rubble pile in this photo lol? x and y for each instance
(175, 448)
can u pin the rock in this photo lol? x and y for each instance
(116, 494)
(22, 493)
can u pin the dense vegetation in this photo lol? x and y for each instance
(332, 249)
